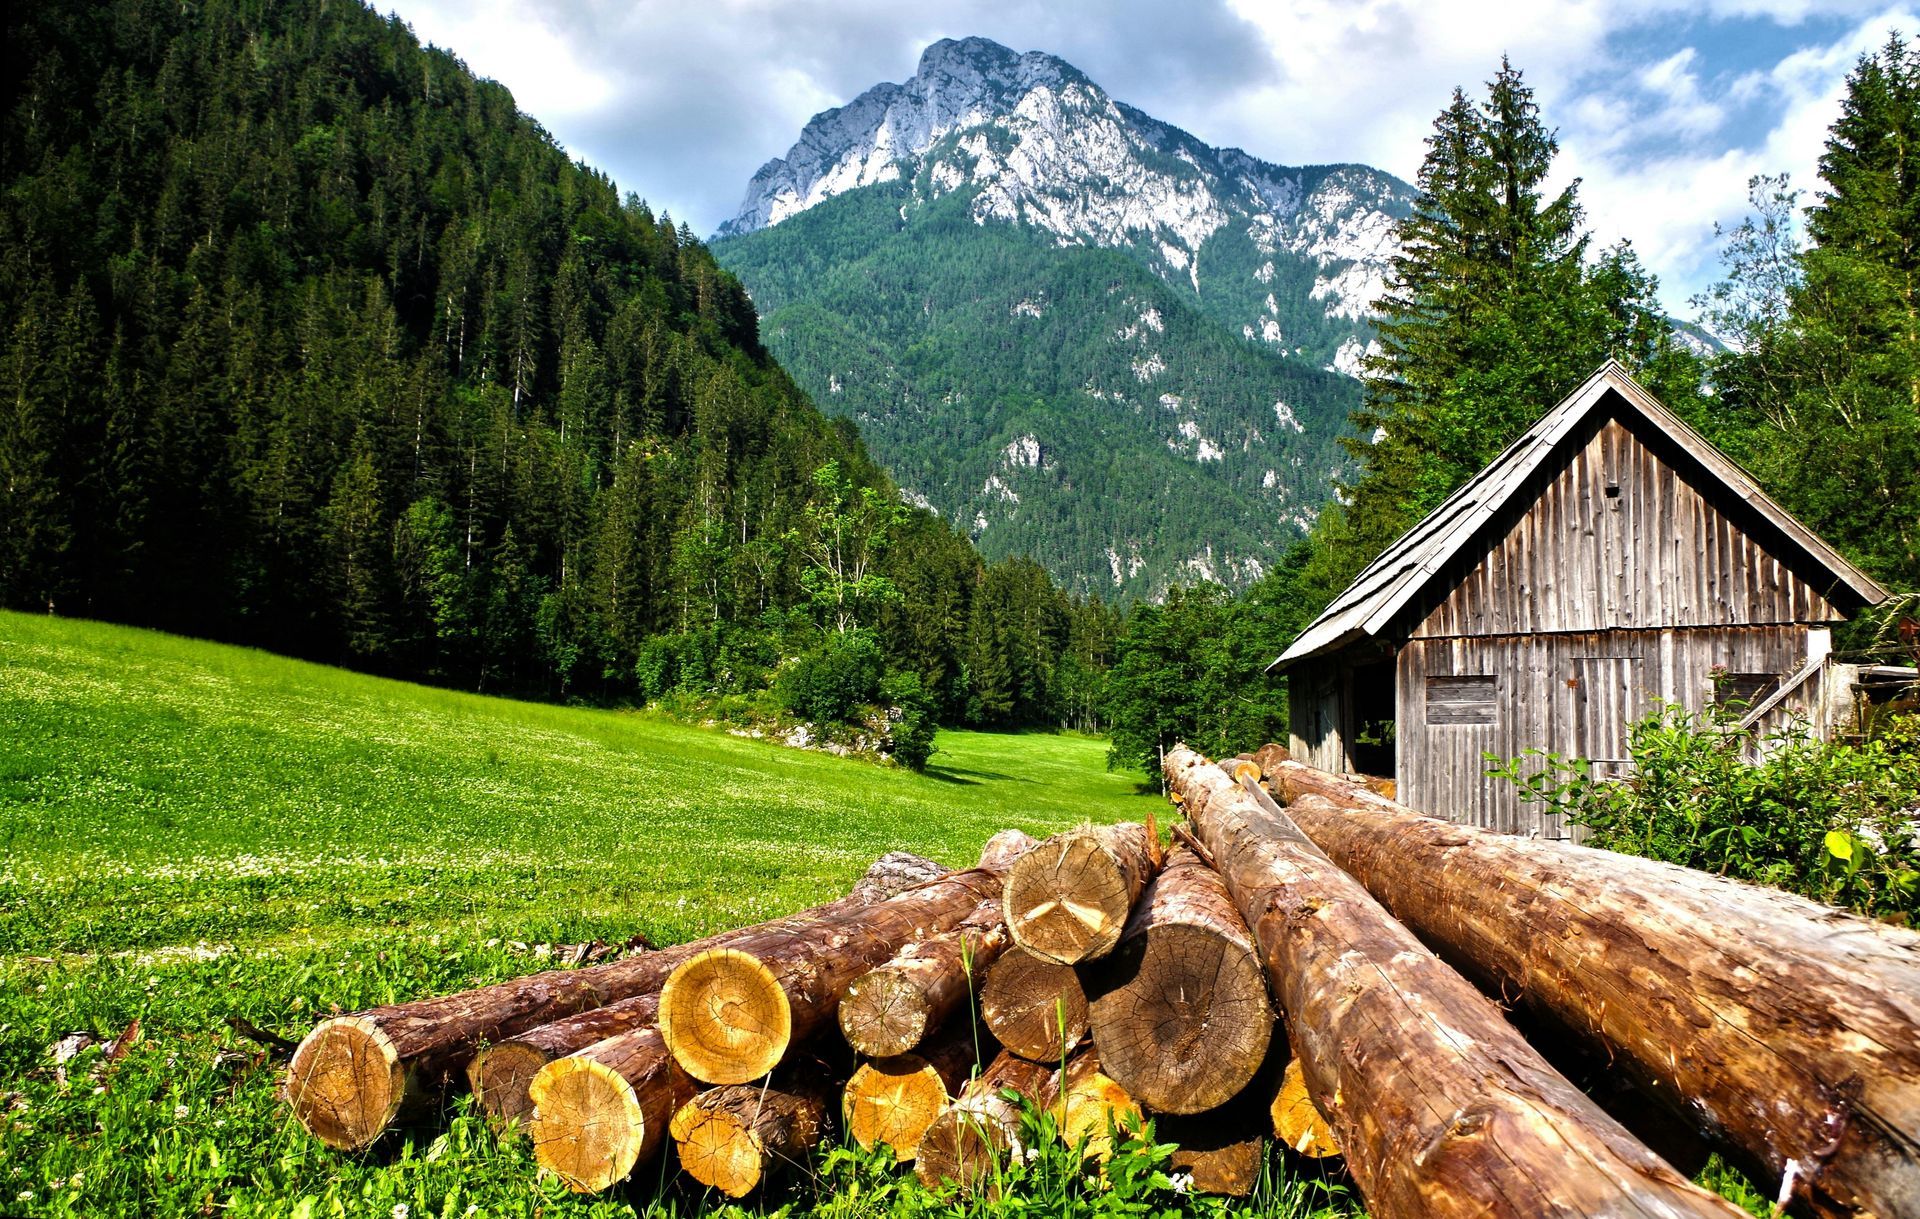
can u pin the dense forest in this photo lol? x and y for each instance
(313, 341)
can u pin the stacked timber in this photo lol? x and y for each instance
(1260, 983)
(1440, 1106)
(353, 1075)
(1788, 1031)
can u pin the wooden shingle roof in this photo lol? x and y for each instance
(1370, 605)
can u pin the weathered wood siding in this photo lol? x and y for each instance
(1575, 693)
(1617, 537)
(1319, 714)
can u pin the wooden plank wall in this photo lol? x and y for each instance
(1318, 714)
(1440, 765)
(1656, 553)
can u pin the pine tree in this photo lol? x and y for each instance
(1493, 312)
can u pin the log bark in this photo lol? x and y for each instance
(732, 1138)
(1297, 1122)
(1035, 1007)
(894, 1100)
(1180, 1009)
(894, 1006)
(1092, 1106)
(729, 1014)
(1214, 1156)
(1441, 1107)
(598, 1113)
(1004, 848)
(501, 1076)
(352, 1076)
(976, 1137)
(1067, 900)
(1787, 1030)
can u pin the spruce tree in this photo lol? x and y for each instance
(1494, 311)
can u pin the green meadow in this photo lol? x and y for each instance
(197, 832)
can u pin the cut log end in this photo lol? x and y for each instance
(883, 1014)
(588, 1128)
(725, 1017)
(346, 1082)
(1093, 1108)
(1067, 899)
(1297, 1123)
(1036, 1008)
(719, 1149)
(894, 1101)
(1185, 1020)
(501, 1077)
(967, 1145)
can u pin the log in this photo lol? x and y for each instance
(732, 1138)
(1180, 1010)
(1786, 1030)
(894, 1100)
(598, 1113)
(979, 1133)
(892, 1007)
(501, 1076)
(1067, 900)
(1091, 1106)
(353, 1075)
(1003, 849)
(1035, 1008)
(1441, 1107)
(1297, 1123)
(729, 1014)
(1214, 1155)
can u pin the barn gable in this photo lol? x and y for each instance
(1609, 558)
(1378, 601)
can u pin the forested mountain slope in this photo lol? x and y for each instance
(995, 259)
(313, 341)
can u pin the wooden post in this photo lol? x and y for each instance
(1441, 1107)
(1788, 1030)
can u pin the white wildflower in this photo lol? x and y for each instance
(77, 1180)
(25, 1195)
(1181, 1182)
(180, 1113)
(399, 1210)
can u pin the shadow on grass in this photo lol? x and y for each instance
(970, 778)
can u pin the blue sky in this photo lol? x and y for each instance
(1664, 107)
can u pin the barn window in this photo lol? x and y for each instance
(1747, 689)
(1461, 699)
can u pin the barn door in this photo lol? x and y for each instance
(1609, 694)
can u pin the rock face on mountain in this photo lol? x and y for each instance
(1232, 318)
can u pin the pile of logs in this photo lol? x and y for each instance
(1309, 964)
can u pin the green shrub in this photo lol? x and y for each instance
(830, 683)
(913, 732)
(1831, 820)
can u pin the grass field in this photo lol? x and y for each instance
(195, 832)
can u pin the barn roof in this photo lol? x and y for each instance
(1369, 605)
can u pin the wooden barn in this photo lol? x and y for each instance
(1608, 558)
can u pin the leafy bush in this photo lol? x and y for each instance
(913, 732)
(828, 684)
(1834, 821)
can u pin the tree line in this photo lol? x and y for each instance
(313, 341)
